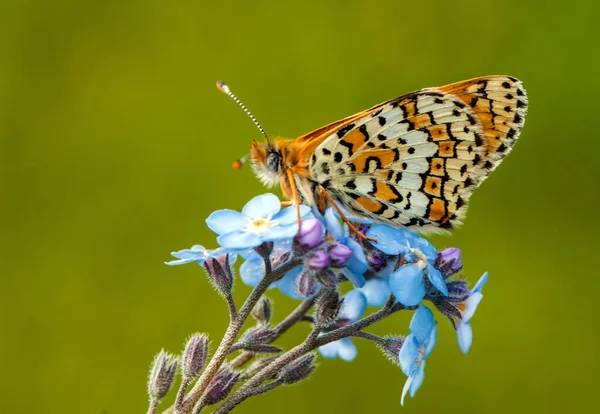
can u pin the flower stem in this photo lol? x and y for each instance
(231, 335)
(153, 406)
(185, 383)
(312, 342)
(283, 326)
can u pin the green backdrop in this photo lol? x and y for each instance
(116, 145)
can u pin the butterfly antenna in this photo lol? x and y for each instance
(225, 89)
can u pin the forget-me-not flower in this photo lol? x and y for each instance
(408, 282)
(464, 332)
(261, 220)
(416, 348)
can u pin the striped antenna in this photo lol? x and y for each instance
(225, 89)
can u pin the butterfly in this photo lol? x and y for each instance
(412, 161)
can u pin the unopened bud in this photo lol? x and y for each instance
(317, 260)
(221, 385)
(262, 334)
(448, 262)
(390, 347)
(298, 369)
(306, 284)
(220, 273)
(262, 311)
(328, 308)
(310, 234)
(162, 375)
(339, 254)
(194, 356)
(327, 278)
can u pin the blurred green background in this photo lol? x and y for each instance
(116, 145)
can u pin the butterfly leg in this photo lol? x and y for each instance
(286, 203)
(323, 193)
(295, 195)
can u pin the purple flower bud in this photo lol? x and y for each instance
(194, 356)
(220, 273)
(298, 369)
(317, 260)
(262, 311)
(448, 262)
(306, 284)
(162, 375)
(310, 234)
(221, 385)
(339, 254)
(390, 346)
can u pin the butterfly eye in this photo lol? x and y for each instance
(273, 161)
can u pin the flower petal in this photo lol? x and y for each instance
(405, 389)
(358, 262)
(181, 262)
(376, 291)
(418, 242)
(329, 350)
(408, 355)
(279, 233)
(417, 379)
(464, 333)
(195, 253)
(431, 341)
(357, 280)
(407, 284)
(436, 279)
(262, 206)
(334, 227)
(252, 271)
(288, 215)
(239, 240)
(346, 349)
(354, 306)
(226, 221)
(390, 240)
(471, 306)
(480, 283)
(287, 285)
(421, 324)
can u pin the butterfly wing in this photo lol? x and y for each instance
(415, 160)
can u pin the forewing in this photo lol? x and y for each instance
(414, 161)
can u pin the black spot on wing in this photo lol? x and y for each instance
(343, 131)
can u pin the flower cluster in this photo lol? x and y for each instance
(386, 268)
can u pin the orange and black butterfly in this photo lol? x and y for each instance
(413, 161)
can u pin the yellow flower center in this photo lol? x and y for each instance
(258, 225)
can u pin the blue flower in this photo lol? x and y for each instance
(357, 264)
(408, 282)
(352, 309)
(196, 254)
(464, 332)
(394, 241)
(261, 220)
(416, 348)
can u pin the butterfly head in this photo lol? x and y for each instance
(267, 162)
